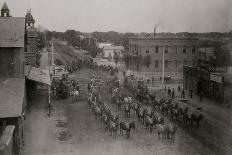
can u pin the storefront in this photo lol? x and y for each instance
(190, 78)
(216, 90)
(203, 82)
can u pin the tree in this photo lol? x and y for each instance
(116, 57)
(69, 36)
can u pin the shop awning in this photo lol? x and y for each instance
(39, 75)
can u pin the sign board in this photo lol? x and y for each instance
(216, 78)
(218, 69)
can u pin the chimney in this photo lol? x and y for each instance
(154, 32)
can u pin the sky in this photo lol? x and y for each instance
(128, 15)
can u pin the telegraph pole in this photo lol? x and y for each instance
(163, 71)
(54, 72)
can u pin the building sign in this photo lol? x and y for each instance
(218, 69)
(216, 78)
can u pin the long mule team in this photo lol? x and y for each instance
(105, 114)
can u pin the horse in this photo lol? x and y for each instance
(149, 123)
(113, 128)
(127, 127)
(127, 110)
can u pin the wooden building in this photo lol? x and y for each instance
(12, 79)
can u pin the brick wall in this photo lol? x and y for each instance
(177, 52)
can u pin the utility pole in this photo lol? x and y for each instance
(53, 69)
(163, 70)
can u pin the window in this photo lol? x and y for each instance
(156, 63)
(166, 50)
(157, 49)
(193, 63)
(176, 63)
(184, 50)
(166, 63)
(147, 51)
(185, 62)
(193, 50)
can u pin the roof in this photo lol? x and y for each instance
(12, 30)
(113, 48)
(6, 137)
(39, 75)
(12, 96)
(162, 38)
(27, 69)
(5, 7)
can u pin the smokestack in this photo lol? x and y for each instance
(154, 32)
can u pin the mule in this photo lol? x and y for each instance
(171, 131)
(140, 114)
(162, 131)
(149, 123)
(127, 109)
(196, 118)
(97, 112)
(127, 127)
(113, 128)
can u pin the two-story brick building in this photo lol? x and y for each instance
(177, 53)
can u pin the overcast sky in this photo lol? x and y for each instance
(128, 15)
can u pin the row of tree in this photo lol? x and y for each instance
(87, 41)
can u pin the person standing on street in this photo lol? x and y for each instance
(169, 92)
(191, 93)
(183, 94)
(173, 93)
(201, 96)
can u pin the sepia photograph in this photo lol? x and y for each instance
(115, 77)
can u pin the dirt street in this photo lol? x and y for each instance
(72, 130)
